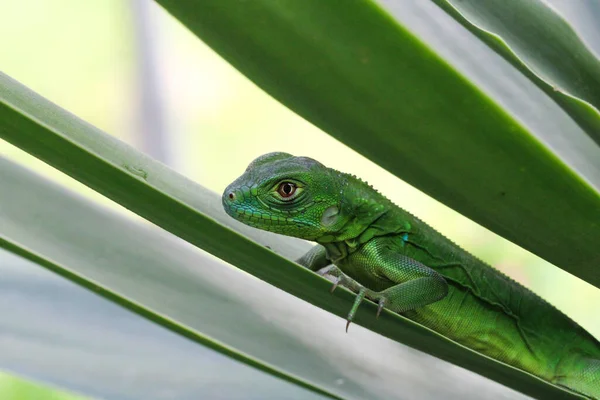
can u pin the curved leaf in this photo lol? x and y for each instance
(541, 44)
(196, 215)
(373, 85)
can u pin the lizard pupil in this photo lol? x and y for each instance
(286, 189)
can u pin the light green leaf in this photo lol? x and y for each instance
(106, 351)
(18, 388)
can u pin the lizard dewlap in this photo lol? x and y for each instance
(381, 252)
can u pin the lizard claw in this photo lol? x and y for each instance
(380, 305)
(359, 298)
(326, 270)
(331, 273)
(335, 285)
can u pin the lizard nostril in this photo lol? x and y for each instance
(231, 196)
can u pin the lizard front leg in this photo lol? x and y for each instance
(410, 283)
(316, 260)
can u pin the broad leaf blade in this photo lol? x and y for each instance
(540, 43)
(373, 85)
(195, 214)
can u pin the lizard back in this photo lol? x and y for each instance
(491, 313)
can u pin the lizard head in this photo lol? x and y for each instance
(294, 196)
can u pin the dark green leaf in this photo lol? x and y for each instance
(377, 88)
(541, 44)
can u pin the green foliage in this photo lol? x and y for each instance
(189, 211)
(370, 83)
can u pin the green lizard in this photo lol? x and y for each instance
(383, 253)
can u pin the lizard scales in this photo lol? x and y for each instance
(384, 253)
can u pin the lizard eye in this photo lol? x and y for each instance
(286, 189)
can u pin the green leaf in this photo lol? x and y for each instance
(181, 288)
(377, 88)
(194, 214)
(108, 352)
(541, 44)
(502, 82)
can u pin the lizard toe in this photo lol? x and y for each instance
(380, 305)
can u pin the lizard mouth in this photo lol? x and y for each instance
(238, 207)
(257, 219)
(230, 209)
(246, 215)
(264, 221)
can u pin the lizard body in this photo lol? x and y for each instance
(384, 253)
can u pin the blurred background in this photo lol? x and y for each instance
(132, 70)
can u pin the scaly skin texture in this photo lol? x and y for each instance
(382, 252)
